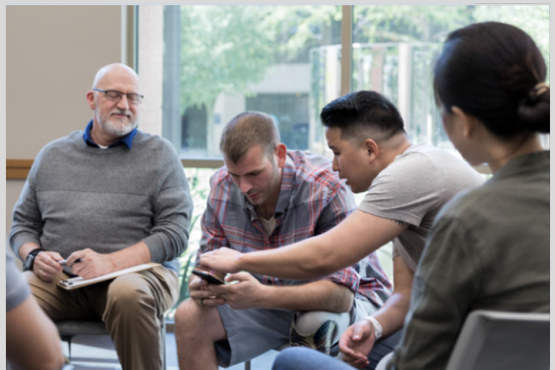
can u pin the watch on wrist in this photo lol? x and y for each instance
(30, 260)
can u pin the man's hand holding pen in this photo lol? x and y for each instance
(88, 264)
(64, 262)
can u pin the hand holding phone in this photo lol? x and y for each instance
(211, 279)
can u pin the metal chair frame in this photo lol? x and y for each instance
(70, 328)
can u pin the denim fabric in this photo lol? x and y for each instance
(300, 358)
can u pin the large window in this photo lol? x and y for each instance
(236, 58)
(395, 48)
(286, 61)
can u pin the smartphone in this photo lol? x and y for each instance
(206, 276)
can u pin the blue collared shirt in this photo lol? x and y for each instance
(127, 139)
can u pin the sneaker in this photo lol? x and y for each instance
(319, 340)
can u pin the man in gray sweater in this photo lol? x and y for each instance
(107, 198)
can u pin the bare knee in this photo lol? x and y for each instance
(190, 320)
(185, 313)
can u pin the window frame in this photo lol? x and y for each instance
(131, 17)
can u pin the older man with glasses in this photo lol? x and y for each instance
(107, 198)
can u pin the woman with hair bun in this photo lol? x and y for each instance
(489, 247)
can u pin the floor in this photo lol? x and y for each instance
(96, 352)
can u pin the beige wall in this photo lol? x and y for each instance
(52, 55)
(151, 59)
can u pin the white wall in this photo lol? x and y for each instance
(52, 55)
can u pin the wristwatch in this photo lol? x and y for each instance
(30, 261)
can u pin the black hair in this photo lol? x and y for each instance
(493, 72)
(355, 112)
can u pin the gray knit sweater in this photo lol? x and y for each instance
(77, 197)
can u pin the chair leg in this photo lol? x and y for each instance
(67, 338)
(163, 344)
(69, 349)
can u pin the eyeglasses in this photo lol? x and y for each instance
(115, 95)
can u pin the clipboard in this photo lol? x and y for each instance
(78, 282)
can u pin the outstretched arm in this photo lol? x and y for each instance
(356, 237)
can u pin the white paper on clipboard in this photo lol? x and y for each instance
(78, 282)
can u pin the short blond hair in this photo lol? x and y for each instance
(247, 130)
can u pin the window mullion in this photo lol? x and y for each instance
(346, 48)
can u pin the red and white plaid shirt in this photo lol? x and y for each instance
(312, 200)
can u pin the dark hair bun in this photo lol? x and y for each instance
(534, 111)
(494, 72)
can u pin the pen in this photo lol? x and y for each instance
(64, 262)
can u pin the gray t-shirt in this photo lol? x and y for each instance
(412, 189)
(17, 289)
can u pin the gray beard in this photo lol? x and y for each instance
(120, 129)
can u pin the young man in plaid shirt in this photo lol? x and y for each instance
(267, 197)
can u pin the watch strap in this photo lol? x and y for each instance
(35, 252)
(30, 260)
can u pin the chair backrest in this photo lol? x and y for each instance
(492, 340)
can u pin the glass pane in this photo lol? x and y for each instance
(234, 58)
(394, 49)
(199, 183)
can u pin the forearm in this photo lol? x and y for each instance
(356, 237)
(131, 256)
(29, 329)
(26, 248)
(320, 295)
(27, 219)
(20, 235)
(295, 262)
(391, 315)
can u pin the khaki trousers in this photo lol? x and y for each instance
(129, 306)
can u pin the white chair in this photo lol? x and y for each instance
(493, 340)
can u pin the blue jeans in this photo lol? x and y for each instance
(301, 358)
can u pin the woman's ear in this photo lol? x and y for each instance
(467, 121)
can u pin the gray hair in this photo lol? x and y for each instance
(247, 130)
(108, 68)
